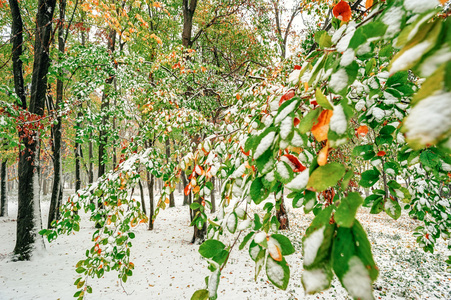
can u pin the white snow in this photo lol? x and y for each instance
(357, 280)
(282, 170)
(344, 42)
(347, 58)
(274, 271)
(338, 122)
(285, 112)
(392, 18)
(286, 126)
(312, 244)
(338, 33)
(260, 237)
(339, 80)
(434, 61)
(297, 141)
(378, 113)
(231, 222)
(294, 77)
(299, 182)
(420, 6)
(265, 143)
(314, 280)
(409, 56)
(429, 119)
(360, 105)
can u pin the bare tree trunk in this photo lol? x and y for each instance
(29, 211)
(168, 154)
(3, 200)
(57, 190)
(150, 184)
(143, 202)
(184, 183)
(281, 213)
(189, 7)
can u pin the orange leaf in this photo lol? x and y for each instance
(288, 95)
(368, 4)
(196, 189)
(443, 1)
(187, 189)
(342, 11)
(362, 130)
(322, 155)
(274, 251)
(166, 200)
(321, 128)
(381, 153)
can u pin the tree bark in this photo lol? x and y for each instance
(143, 202)
(3, 200)
(57, 190)
(29, 212)
(168, 154)
(150, 184)
(184, 183)
(281, 213)
(189, 7)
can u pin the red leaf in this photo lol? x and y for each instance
(296, 121)
(381, 153)
(187, 189)
(288, 95)
(298, 167)
(342, 11)
(297, 67)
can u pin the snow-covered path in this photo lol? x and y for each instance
(167, 266)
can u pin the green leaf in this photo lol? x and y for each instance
(365, 151)
(326, 176)
(232, 222)
(80, 270)
(258, 192)
(429, 159)
(200, 295)
(378, 206)
(346, 211)
(76, 227)
(369, 178)
(195, 205)
(283, 172)
(307, 121)
(278, 272)
(322, 100)
(392, 208)
(317, 280)
(346, 179)
(246, 240)
(366, 32)
(285, 244)
(211, 248)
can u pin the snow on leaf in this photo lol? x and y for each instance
(264, 144)
(420, 6)
(357, 280)
(299, 182)
(274, 249)
(315, 280)
(285, 110)
(338, 122)
(312, 244)
(232, 221)
(339, 80)
(260, 237)
(408, 57)
(278, 272)
(286, 127)
(429, 120)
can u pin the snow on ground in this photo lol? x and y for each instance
(167, 266)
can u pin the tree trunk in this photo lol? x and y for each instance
(77, 152)
(91, 157)
(184, 183)
(189, 7)
(143, 202)
(3, 201)
(281, 213)
(212, 199)
(29, 211)
(168, 154)
(150, 184)
(57, 190)
(199, 234)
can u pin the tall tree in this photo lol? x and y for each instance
(3, 200)
(29, 212)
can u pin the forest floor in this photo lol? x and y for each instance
(168, 267)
